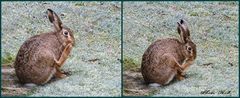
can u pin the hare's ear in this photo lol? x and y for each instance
(54, 19)
(183, 31)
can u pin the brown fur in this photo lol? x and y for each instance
(167, 58)
(41, 56)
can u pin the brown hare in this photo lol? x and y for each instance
(168, 58)
(41, 56)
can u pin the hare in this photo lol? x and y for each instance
(168, 58)
(41, 56)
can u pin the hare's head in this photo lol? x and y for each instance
(64, 34)
(189, 48)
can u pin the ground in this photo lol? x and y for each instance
(214, 29)
(94, 64)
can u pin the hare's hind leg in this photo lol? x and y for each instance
(59, 73)
(186, 64)
(180, 77)
(59, 63)
(180, 70)
(64, 55)
(171, 61)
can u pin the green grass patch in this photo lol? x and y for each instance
(80, 4)
(9, 58)
(193, 13)
(130, 64)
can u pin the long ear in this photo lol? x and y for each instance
(54, 19)
(183, 31)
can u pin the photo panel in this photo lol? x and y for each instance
(87, 33)
(180, 48)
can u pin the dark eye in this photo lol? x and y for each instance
(65, 33)
(189, 48)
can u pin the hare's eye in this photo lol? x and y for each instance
(65, 33)
(189, 48)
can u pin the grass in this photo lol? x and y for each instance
(131, 64)
(214, 29)
(8, 59)
(94, 61)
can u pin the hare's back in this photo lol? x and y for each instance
(164, 45)
(37, 48)
(160, 47)
(153, 56)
